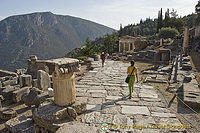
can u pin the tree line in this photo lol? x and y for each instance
(164, 26)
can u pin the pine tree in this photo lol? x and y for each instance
(160, 20)
(120, 30)
(167, 19)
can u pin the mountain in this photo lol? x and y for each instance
(43, 34)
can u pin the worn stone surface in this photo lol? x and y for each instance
(8, 92)
(50, 116)
(12, 81)
(43, 80)
(78, 128)
(16, 96)
(132, 110)
(7, 113)
(105, 95)
(20, 124)
(32, 97)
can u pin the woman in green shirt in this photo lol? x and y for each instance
(132, 76)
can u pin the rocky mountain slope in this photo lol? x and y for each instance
(43, 34)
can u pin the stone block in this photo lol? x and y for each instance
(16, 96)
(10, 82)
(31, 98)
(25, 80)
(35, 83)
(49, 115)
(20, 124)
(165, 115)
(135, 110)
(8, 92)
(7, 113)
(44, 81)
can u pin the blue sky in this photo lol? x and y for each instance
(107, 12)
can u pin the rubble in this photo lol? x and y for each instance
(53, 117)
(32, 98)
(7, 113)
(20, 124)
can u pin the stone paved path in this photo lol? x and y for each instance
(106, 94)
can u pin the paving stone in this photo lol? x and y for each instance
(95, 100)
(158, 109)
(111, 109)
(144, 120)
(154, 104)
(93, 107)
(133, 103)
(166, 115)
(96, 94)
(132, 110)
(144, 93)
(121, 119)
(114, 93)
(78, 128)
(97, 91)
(113, 98)
(151, 99)
(82, 94)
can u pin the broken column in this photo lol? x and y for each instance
(64, 83)
(65, 107)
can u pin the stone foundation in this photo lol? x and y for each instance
(51, 117)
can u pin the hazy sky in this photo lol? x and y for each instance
(107, 12)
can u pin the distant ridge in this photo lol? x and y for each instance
(43, 34)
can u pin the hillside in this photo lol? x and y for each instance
(43, 34)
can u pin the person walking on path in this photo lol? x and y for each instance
(132, 72)
(103, 58)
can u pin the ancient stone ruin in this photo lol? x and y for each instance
(31, 88)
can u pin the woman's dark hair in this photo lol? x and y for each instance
(132, 63)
